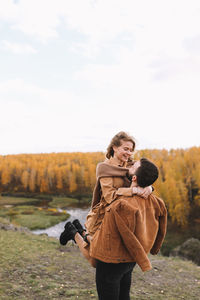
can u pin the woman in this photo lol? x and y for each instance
(112, 181)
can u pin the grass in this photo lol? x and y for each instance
(39, 219)
(37, 267)
(30, 216)
(64, 202)
(6, 200)
(176, 236)
(56, 202)
(27, 212)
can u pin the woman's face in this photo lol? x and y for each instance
(124, 151)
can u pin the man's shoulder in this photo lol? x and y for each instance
(159, 202)
(156, 198)
(124, 203)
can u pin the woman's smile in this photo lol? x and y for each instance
(124, 151)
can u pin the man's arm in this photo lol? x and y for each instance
(125, 220)
(161, 231)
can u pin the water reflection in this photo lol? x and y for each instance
(55, 231)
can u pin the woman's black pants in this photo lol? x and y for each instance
(113, 281)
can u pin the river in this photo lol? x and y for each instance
(55, 231)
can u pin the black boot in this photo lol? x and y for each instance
(78, 226)
(68, 234)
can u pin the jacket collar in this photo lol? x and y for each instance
(114, 162)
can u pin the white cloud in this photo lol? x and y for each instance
(141, 73)
(162, 23)
(155, 27)
(35, 18)
(192, 45)
(8, 10)
(35, 119)
(18, 48)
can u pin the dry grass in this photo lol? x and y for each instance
(37, 267)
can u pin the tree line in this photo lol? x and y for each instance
(75, 174)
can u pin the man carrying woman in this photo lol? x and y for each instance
(125, 222)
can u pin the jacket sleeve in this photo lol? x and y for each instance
(110, 193)
(161, 231)
(126, 230)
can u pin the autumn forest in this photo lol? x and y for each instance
(73, 174)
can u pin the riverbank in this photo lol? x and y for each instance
(55, 231)
(36, 213)
(37, 267)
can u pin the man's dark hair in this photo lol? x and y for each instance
(147, 173)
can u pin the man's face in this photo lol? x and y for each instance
(134, 168)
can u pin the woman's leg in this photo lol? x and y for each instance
(71, 233)
(84, 248)
(83, 232)
(89, 238)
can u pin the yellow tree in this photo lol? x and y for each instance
(32, 180)
(44, 186)
(72, 183)
(59, 178)
(25, 179)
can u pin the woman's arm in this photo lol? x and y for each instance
(110, 193)
(143, 192)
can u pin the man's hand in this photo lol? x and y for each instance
(143, 192)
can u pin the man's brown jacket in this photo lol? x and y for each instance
(132, 227)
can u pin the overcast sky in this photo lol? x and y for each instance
(75, 72)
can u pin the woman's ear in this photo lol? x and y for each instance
(114, 148)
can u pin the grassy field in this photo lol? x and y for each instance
(56, 202)
(176, 236)
(64, 202)
(37, 213)
(21, 211)
(37, 267)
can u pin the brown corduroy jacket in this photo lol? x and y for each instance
(111, 183)
(132, 227)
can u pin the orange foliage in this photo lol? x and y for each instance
(75, 173)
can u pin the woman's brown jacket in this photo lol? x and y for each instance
(112, 181)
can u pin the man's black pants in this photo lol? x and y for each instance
(113, 281)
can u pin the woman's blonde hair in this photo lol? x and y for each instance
(116, 141)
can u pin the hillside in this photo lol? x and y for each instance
(37, 267)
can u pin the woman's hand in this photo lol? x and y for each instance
(143, 192)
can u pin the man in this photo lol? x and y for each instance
(132, 227)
